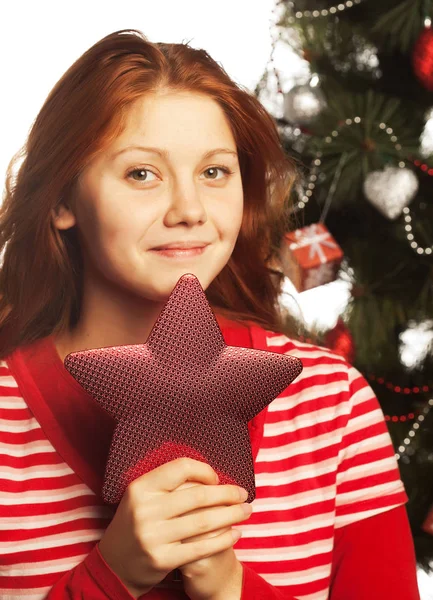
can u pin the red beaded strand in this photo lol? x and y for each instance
(400, 418)
(424, 389)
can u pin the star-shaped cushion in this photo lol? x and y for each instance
(182, 393)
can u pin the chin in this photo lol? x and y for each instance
(205, 278)
(158, 287)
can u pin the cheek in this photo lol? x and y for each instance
(99, 231)
(106, 224)
(229, 213)
(236, 216)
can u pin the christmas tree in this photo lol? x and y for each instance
(356, 122)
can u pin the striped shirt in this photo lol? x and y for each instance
(323, 460)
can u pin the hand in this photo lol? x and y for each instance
(144, 540)
(215, 578)
(218, 576)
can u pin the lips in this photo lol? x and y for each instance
(177, 251)
(182, 246)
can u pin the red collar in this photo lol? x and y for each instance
(78, 428)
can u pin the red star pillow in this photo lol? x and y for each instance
(182, 393)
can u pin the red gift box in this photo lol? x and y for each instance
(310, 256)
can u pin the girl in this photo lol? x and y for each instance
(146, 162)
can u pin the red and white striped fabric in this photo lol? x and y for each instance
(323, 460)
(49, 519)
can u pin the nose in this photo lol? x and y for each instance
(186, 206)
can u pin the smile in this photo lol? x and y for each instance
(179, 252)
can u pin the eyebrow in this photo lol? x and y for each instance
(165, 153)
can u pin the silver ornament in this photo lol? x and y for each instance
(416, 342)
(427, 135)
(303, 103)
(391, 190)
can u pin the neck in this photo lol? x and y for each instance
(109, 318)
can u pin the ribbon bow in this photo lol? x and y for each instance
(311, 236)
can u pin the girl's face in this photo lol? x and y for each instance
(181, 188)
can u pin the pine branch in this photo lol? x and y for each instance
(401, 25)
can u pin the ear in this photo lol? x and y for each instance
(63, 217)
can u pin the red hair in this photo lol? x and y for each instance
(40, 277)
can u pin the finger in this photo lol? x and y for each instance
(187, 553)
(203, 522)
(205, 535)
(183, 501)
(171, 475)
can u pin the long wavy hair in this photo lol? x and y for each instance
(41, 272)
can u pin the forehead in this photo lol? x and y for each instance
(170, 116)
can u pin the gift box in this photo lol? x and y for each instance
(310, 256)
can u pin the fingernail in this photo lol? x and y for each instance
(247, 508)
(236, 534)
(243, 494)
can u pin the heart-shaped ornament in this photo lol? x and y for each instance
(391, 190)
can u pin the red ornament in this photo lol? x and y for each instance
(427, 526)
(422, 58)
(182, 393)
(341, 342)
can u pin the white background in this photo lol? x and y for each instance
(41, 39)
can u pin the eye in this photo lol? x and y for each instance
(140, 171)
(214, 171)
(143, 174)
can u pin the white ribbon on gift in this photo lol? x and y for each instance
(309, 236)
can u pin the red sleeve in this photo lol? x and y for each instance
(358, 568)
(94, 579)
(255, 587)
(373, 558)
